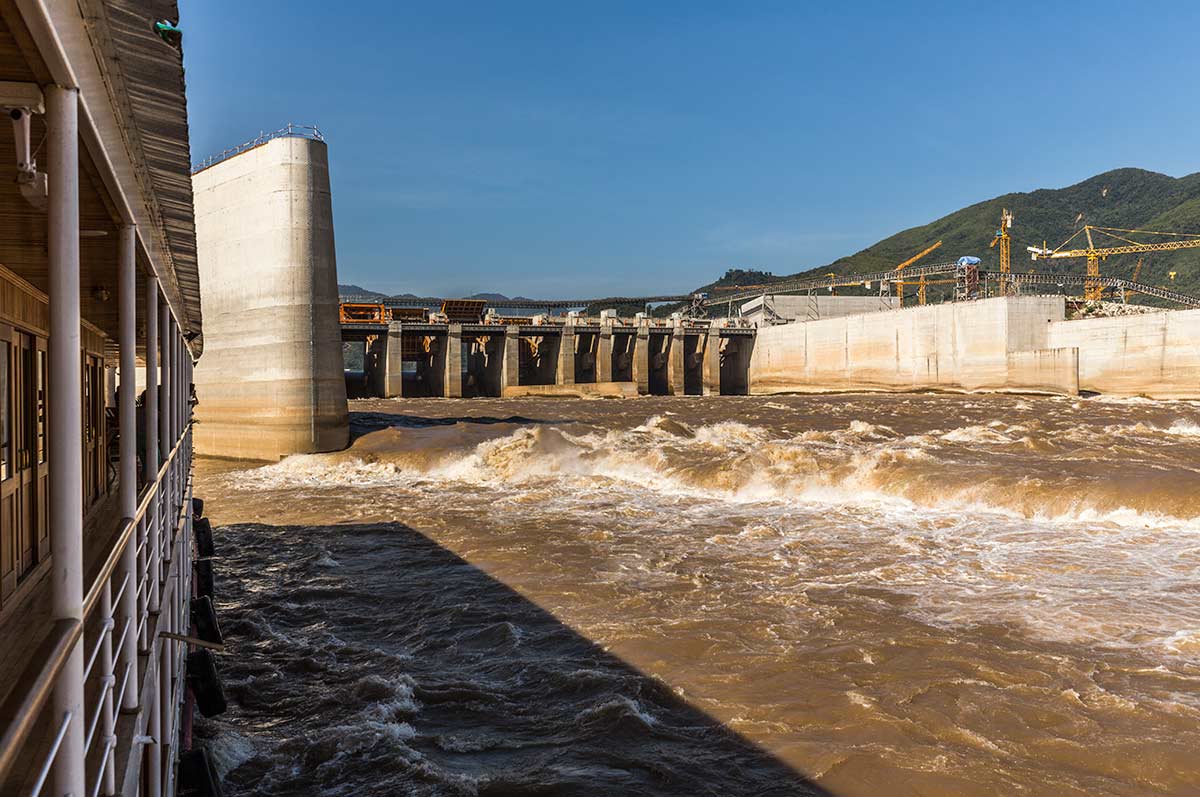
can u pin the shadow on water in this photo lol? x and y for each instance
(368, 660)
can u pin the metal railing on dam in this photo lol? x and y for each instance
(290, 131)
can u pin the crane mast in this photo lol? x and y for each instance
(1003, 238)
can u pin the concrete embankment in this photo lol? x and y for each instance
(991, 345)
(1155, 355)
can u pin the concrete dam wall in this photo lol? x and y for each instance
(1155, 355)
(270, 382)
(994, 344)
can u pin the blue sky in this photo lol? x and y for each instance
(556, 149)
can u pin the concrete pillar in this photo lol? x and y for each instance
(512, 357)
(712, 362)
(641, 360)
(393, 368)
(675, 355)
(65, 419)
(564, 374)
(604, 355)
(453, 379)
(267, 266)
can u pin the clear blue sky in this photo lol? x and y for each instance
(598, 148)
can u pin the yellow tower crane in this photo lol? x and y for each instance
(1005, 240)
(1093, 291)
(900, 283)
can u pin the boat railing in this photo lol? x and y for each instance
(161, 582)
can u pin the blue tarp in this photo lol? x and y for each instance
(969, 261)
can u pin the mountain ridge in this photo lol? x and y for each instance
(1126, 198)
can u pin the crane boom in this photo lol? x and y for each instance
(909, 262)
(1131, 249)
(1093, 290)
(918, 256)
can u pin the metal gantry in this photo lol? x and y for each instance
(1093, 289)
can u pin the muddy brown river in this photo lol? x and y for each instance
(852, 595)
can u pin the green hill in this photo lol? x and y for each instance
(1125, 198)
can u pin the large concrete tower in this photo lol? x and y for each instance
(271, 381)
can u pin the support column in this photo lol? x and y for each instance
(164, 392)
(177, 387)
(604, 353)
(393, 374)
(127, 611)
(453, 381)
(512, 358)
(150, 457)
(565, 373)
(641, 359)
(712, 362)
(65, 422)
(151, 460)
(675, 356)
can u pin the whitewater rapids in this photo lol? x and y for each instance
(930, 595)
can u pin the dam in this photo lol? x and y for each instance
(1020, 344)
(572, 356)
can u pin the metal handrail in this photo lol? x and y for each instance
(129, 528)
(291, 131)
(24, 706)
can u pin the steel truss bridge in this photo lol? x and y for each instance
(699, 301)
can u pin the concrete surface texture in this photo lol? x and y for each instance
(813, 307)
(1155, 355)
(994, 344)
(270, 382)
(578, 390)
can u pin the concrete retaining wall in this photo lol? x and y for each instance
(579, 390)
(1155, 355)
(811, 307)
(995, 344)
(270, 382)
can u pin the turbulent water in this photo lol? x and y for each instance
(859, 595)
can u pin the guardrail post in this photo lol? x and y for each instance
(65, 419)
(108, 684)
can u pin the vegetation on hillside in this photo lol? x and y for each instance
(1125, 198)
